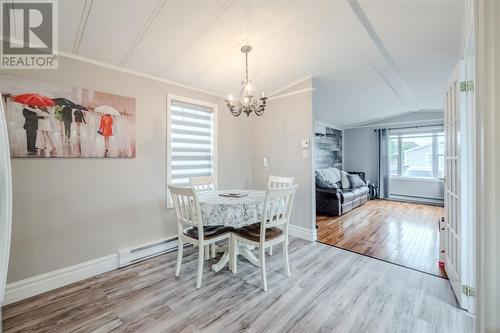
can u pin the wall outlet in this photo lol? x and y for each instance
(305, 144)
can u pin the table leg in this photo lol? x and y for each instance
(244, 250)
(222, 262)
(221, 248)
(231, 253)
(234, 251)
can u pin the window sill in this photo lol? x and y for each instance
(415, 179)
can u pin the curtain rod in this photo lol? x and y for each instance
(408, 127)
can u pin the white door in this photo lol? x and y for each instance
(5, 203)
(468, 175)
(452, 242)
(459, 185)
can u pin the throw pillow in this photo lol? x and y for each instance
(323, 182)
(332, 174)
(345, 180)
(356, 180)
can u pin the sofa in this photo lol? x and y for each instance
(332, 199)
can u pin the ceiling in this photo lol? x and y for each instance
(370, 58)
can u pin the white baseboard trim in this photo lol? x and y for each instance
(19, 290)
(301, 232)
(38, 284)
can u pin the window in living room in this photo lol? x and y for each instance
(416, 155)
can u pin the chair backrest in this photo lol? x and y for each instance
(187, 207)
(203, 184)
(277, 208)
(279, 182)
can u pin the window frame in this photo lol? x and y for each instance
(213, 106)
(435, 156)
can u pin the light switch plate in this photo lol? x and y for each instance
(305, 143)
(266, 163)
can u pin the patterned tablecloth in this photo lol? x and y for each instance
(231, 212)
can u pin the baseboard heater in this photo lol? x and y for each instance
(416, 196)
(133, 255)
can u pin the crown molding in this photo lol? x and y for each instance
(423, 122)
(288, 86)
(300, 91)
(136, 73)
(376, 120)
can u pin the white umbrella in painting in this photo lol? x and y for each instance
(106, 109)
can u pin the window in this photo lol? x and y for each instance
(191, 137)
(416, 154)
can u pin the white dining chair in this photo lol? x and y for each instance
(272, 230)
(190, 227)
(278, 182)
(203, 184)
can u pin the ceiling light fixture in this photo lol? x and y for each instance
(248, 103)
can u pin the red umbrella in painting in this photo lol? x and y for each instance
(34, 100)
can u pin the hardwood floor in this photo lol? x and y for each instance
(402, 233)
(331, 290)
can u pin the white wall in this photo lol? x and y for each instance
(417, 188)
(67, 211)
(360, 152)
(278, 135)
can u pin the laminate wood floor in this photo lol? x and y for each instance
(331, 290)
(403, 233)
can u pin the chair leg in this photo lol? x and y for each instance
(270, 251)
(285, 258)
(201, 260)
(207, 252)
(214, 246)
(262, 251)
(180, 249)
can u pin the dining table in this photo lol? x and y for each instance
(235, 209)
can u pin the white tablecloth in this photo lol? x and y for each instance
(231, 212)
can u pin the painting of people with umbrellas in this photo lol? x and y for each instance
(46, 120)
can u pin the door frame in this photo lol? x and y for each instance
(486, 211)
(5, 203)
(470, 157)
(469, 170)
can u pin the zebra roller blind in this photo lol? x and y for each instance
(191, 142)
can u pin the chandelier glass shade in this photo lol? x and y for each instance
(248, 101)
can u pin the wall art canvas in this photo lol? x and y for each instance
(328, 143)
(46, 120)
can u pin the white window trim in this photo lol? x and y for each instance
(170, 98)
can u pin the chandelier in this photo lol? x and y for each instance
(248, 103)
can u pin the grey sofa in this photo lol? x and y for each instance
(338, 201)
